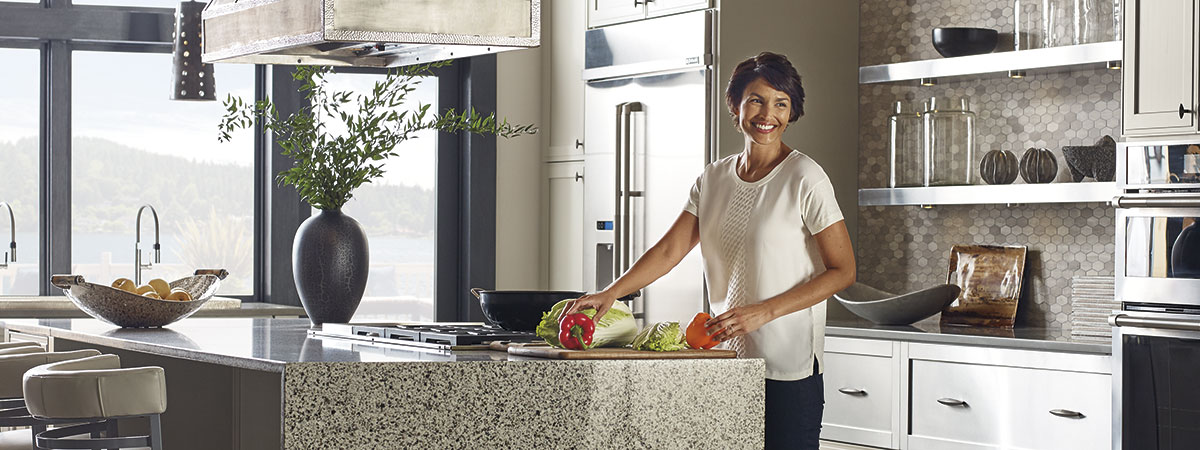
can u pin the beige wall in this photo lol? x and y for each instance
(519, 171)
(822, 42)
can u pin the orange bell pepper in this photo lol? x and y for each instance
(697, 334)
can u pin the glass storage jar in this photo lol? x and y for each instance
(1029, 30)
(949, 128)
(1095, 21)
(1059, 22)
(906, 155)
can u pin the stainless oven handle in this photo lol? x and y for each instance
(1121, 320)
(1157, 201)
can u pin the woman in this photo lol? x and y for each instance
(774, 246)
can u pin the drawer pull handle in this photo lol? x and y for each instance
(952, 402)
(851, 391)
(1067, 413)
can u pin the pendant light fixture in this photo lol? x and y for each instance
(192, 80)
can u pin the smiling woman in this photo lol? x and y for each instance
(132, 146)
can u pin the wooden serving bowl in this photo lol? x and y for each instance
(129, 310)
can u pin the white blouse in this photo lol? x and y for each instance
(757, 242)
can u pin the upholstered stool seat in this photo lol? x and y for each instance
(12, 348)
(12, 403)
(90, 390)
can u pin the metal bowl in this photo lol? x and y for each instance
(885, 308)
(129, 310)
(519, 310)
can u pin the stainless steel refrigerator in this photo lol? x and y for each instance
(650, 101)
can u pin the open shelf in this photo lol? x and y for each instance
(1066, 57)
(990, 194)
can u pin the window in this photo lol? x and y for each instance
(397, 212)
(132, 146)
(19, 164)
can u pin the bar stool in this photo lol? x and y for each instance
(13, 348)
(12, 402)
(96, 390)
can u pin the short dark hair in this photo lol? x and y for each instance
(776, 70)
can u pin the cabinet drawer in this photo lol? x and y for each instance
(17, 336)
(1007, 407)
(861, 399)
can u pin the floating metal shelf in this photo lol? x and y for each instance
(990, 194)
(992, 63)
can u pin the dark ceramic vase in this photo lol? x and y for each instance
(330, 262)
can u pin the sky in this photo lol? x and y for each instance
(124, 97)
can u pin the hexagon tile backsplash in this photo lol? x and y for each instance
(904, 248)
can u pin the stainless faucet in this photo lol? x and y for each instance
(12, 229)
(137, 245)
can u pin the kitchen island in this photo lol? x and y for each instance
(268, 383)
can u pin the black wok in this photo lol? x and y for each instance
(521, 310)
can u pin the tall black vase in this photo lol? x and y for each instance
(330, 263)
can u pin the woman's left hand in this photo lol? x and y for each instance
(739, 321)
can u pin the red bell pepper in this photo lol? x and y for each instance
(575, 331)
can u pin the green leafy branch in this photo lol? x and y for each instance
(329, 167)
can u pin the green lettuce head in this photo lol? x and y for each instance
(661, 337)
(616, 329)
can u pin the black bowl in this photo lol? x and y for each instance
(519, 310)
(957, 41)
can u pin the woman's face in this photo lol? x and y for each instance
(764, 112)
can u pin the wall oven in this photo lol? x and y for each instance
(1156, 335)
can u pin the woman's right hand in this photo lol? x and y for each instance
(600, 301)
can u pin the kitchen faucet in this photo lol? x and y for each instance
(137, 246)
(12, 229)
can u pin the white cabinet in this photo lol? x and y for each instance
(608, 12)
(986, 398)
(562, 62)
(907, 395)
(564, 206)
(1160, 76)
(862, 392)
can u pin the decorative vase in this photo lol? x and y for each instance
(1038, 165)
(330, 262)
(998, 167)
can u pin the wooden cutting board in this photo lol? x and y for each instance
(546, 351)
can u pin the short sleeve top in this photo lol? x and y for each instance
(757, 240)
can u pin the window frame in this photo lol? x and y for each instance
(466, 164)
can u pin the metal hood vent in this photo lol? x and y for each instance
(371, 33)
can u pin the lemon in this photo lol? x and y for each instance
(180, 295)
(160, 287)
(152, 295)
(143, 289)
(124, 284)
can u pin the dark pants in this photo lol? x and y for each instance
(794, 412)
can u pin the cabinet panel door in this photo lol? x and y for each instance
(564, 66)
(1160, 67)
(608, 12)
(860, 398)
(564, 187)
(1008, 407)
(657, 8)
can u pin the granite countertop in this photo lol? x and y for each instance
(250, 343)
(931, 331)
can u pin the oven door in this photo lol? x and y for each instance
(1156, 381)
(1158, 248)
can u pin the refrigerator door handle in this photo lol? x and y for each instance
(618, 197)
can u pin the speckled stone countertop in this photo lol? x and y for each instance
(342, 394)
(931, 331)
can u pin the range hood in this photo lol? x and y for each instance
(371, 33)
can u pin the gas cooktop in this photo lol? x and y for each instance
(441, 336)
